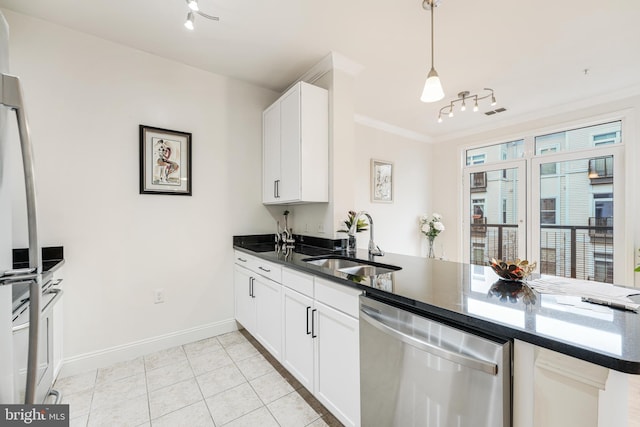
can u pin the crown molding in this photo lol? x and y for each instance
(392, 129)
(331, 61)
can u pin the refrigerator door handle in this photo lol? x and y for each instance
(11, 96)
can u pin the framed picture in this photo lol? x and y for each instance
(165, 161)
(381, 181)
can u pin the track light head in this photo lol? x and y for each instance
(189, 22)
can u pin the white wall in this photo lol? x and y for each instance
(396, 224)
(86, 97)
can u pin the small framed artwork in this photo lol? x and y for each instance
(381, 181)
(165, 161)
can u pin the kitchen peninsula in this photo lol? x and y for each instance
(571, 365)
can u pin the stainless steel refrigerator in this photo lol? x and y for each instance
(12, 117)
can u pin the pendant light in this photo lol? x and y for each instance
(432, 91)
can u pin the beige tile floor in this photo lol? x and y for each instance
(229, 380)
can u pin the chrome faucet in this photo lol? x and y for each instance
(373, 248)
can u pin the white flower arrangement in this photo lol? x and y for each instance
(431, 226)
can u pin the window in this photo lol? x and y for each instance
(548, 168)
(504, 211)
(581, 138)
(603, 267)
(477, 255)
(478, 208)
(601, 170)
(494, 153)
(476, 159)
(478, 182)
(560, 202)
(601, 224)
(603, 205)
(548, 261)
(548, 211)
(606, 138)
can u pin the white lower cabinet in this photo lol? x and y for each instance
(321, 345)
(258, 307)
(245, 307)
(268, 327)
(308, 324)
(337, 364)
(297, 351)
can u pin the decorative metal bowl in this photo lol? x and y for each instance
(512, 291)
(513, 270)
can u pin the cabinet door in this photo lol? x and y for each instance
(337, 364)
(297, 349)
(268, 299)
(290, 189)
(271, 154)
(244, 302)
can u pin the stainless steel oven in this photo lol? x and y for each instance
(416, 372)
(51, 293)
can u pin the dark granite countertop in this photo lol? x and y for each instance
(471, 297)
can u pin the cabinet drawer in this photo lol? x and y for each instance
(243, 259)
(259, 266)
(340, 297)
(297, 281)
(267, 269)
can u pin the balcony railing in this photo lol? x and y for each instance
(582, 252)
(601, 227)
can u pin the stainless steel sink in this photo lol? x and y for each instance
(352, 266)
(367, 270)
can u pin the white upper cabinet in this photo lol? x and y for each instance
(295, 151)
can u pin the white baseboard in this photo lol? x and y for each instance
(108, 356)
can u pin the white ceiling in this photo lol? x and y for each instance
(533, 54)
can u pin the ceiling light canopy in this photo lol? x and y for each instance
(462, 99)
(194, 8)
(432, 91)
(193, 5)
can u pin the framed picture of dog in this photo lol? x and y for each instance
(165, 161)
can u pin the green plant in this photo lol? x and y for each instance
(637, 269)
(360, 226)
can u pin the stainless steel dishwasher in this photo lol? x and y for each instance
(417, 372)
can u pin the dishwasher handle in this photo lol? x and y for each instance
(377, 322)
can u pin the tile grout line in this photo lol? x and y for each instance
(146, 386)
(247, 381)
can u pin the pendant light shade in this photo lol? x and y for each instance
(432, 91)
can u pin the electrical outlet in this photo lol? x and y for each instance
(320, 228)
(158, 296)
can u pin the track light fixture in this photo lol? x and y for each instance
(463, 97)
(195, 9)
(432, 91)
